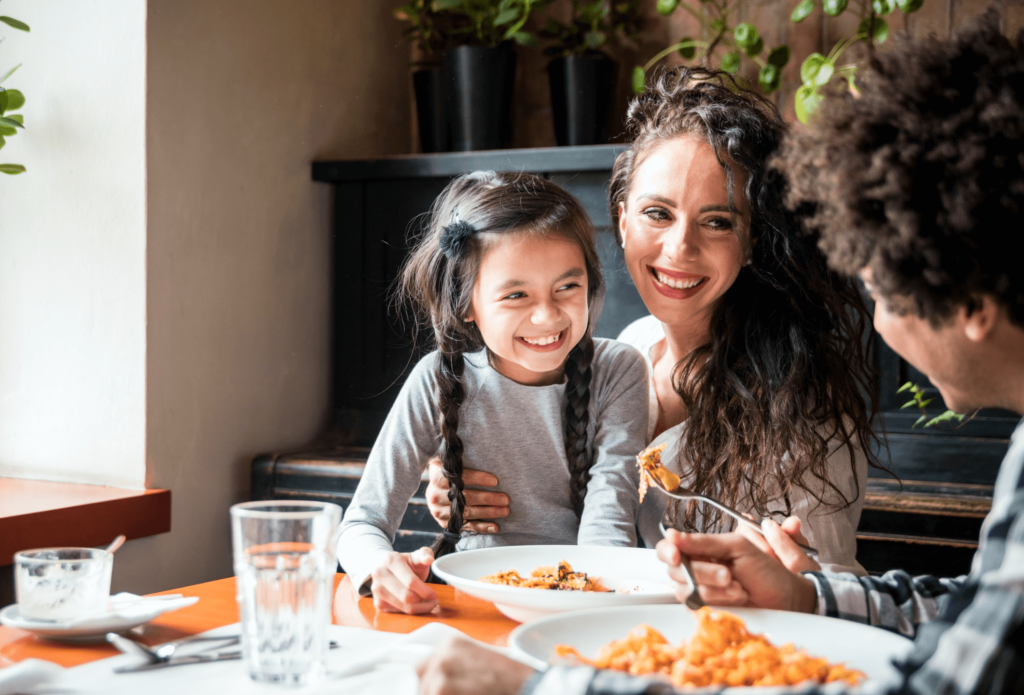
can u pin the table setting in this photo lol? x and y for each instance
(288, 621)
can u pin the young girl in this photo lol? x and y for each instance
(508, 277)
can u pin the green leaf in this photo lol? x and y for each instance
(834, 8)
(446, 4)
(15, 100)
(687, 52)
(595, 39)
(505, 17)
(908, 404)
(769, 77)
(639, 80)
(779, 56)
(4, 130)
(4, 120)
(9, 73)
(806, 101)
(17, 117)
(908, 6)
(12, 168)
(905, 387)
(4, 100)
(755, 48)
(918, 421)
(731, 62)
(810, 68)
(883, 7)
(745, 35)
(924, 403)
(666, 7)
(525, 38)
(802, 11)
(881, 32)
(2, 142)
(14, 24)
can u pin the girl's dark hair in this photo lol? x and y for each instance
(785, 372)
(472, 214)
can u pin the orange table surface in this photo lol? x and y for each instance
(217, 607)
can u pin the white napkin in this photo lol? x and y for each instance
(132, 607)
(27, 675)
(368, 663)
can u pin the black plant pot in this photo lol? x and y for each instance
(582, 94)
(428, 84)
(478, 94)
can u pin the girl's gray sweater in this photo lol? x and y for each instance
(516, 433)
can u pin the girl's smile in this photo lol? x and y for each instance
(547, 343)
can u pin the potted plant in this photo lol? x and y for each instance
(11, 100)
(431, 32)
(479, 72)
(582, 77)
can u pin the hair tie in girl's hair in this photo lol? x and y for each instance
(453, 239)
(452, 537)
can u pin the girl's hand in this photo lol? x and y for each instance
(732, 571)
(399, 583)
(780, 542)
(480, 504)
(460, 667)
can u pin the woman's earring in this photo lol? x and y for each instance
(622, 242)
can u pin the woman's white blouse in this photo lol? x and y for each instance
(832, 532)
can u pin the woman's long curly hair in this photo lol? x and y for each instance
(438, 280)
(784, 377)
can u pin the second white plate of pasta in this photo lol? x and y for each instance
(629, 576)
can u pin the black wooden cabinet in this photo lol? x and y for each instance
(928, 524)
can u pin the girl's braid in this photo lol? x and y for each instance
(450, 394)
(577, 417)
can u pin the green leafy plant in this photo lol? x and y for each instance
(921, 403)
(726, 43)
(11, 100)
(433, 31)
(817, 70)
(489, 22)
(592, 26)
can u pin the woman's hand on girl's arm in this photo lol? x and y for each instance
(480, 504)
(399, 583)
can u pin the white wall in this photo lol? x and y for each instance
(73, 245)
(242, 97)
(165, 262)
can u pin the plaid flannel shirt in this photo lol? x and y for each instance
(968, 632)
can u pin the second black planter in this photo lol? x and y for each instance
(478, 95)
(582, 94)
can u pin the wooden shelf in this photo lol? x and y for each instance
(40, 514)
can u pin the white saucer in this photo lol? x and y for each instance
(93, 629)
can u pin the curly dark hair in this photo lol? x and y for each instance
(785, 375)
(438, 280)
(921, 178)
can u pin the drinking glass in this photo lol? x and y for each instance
(62, 583)
(284, 569)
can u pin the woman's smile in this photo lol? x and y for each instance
(676, 284)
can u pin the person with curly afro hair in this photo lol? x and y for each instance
(917, 186)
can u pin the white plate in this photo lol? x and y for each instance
(92, 630)
(862, 647)
(618, 568)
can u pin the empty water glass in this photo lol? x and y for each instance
(284, 569)
(62, 583)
